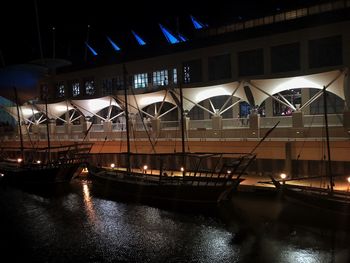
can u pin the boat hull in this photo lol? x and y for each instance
(39, 175)
(168, 191)
(320, 200)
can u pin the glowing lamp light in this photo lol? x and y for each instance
(145, 167)
(229, 171)
(112, 165)
(19, 160)
(349, 179)
(2, 175)
(283, 176)
(38, 162)
(182, 169)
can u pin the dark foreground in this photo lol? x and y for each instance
(75, 224)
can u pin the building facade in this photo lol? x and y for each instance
(236, 82)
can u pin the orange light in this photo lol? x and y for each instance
(112, 165)
(145, 167)
(349, 179)
(283, 176)
(182, 169)
(19, 160)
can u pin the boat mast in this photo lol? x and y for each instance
(182, 131)
(19, 123)
(329, 170)
(182, 121)
(47, 130)
(126, 86)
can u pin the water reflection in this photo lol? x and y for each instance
(80, 227)
(88, 205)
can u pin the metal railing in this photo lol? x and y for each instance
(237, 128)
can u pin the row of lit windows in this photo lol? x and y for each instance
(160, 78)
(280, 17)
(110, 85)
(89, 86)
(140, 80)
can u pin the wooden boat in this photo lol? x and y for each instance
(197, 184)
(68, 159)
(48, 165)
(323, 198)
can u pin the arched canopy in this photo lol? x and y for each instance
(54, 110)
(92, 106)
(193, 96)
(333, 80)
(141, 101)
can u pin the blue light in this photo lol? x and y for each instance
(91, 49)
(169, 36)
(138, 38)
(197, 24)
(114, 45)
(182, 37)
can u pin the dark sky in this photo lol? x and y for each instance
(19, 35)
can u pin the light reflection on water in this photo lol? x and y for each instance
(80, 227)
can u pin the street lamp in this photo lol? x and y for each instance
(283, 177)
(145, 167)
(348, 183)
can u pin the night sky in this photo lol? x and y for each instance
(19, 35)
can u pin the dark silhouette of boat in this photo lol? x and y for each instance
(323, 198)
(36, 166)
(198, 184)
(65, 161)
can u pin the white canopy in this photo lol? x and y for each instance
(261, 89)
(90, 107)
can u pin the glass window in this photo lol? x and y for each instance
(219, 67)
(268, 20)
(140, 80)
(187, 78)
(325, 52)
(111, 85)
(118, 83)
(192, 71)
(60, 89)
(107, 86)
(160, 78)
(285, 57)
(75, 89)
(89, 87)
(251, 62)
(175, 76)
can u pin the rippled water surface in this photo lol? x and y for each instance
(76, 226)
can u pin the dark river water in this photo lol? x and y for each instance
(75, 225)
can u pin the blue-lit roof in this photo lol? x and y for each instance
(114, 45)
(197, 24)
(182, 37)
(139, 40)
(171, 38)
(91, 49)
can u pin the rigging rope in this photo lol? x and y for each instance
(143, 123)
